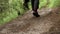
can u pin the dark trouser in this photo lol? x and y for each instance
(26, 4)
(35, 4)
(26, 1)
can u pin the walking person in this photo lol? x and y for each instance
(35, 6)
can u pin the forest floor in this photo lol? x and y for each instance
(48, 23)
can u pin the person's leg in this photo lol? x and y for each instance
(32, 4)
(35, 6)
(26, 4)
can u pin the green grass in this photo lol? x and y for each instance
(11, 12)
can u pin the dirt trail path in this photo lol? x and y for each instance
(48, 23)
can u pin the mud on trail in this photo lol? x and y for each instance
(48, 23)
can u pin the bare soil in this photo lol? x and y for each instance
(48, 23)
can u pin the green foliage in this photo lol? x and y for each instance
(3, 5)
(42, 3)
(10, 9)
(54, 3)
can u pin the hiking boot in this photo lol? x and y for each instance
(36, 14)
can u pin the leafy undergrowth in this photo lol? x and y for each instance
(11, 11)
